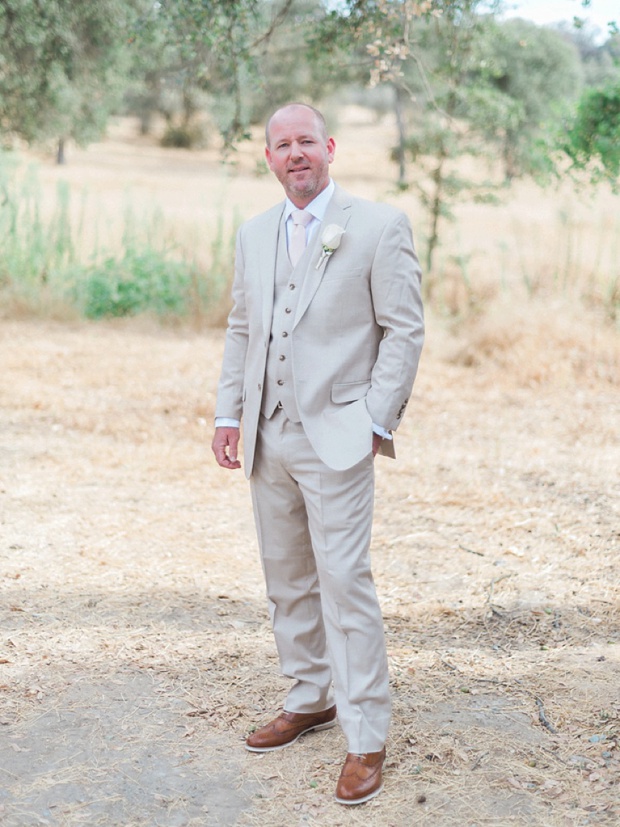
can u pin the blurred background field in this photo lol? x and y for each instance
(531, 282)
(500, 139)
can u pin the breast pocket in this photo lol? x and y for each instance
(334, 272)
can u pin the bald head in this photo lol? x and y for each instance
(289, 109)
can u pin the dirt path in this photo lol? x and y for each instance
(135, 651)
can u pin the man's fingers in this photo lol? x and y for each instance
(224, 446)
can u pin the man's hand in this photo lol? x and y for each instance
(376, 442)
(224, 447)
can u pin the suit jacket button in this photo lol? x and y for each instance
(280, 381)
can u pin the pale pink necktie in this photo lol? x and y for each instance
(301, 218)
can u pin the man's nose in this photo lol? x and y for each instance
(297, 150)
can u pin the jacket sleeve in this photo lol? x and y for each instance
(231, 385)
(397, 300)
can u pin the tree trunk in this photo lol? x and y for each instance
(510, 165)
(60, 154)
(436, 208)
(402, 138)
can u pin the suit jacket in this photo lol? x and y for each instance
(356, 337)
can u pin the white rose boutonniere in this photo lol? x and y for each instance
(330, 240)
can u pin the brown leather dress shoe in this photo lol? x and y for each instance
(287, 727)
(360, 779)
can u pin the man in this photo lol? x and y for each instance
(321, 352)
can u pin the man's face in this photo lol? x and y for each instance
(299, 153)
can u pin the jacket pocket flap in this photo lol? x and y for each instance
(349, 391)
(342, 272)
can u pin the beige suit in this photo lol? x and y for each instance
(355, 341)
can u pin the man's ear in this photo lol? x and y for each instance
(331, 149)
(268, 157)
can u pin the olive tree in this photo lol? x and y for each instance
(62, 66)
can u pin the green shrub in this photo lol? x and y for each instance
(140, 281)
(45, 259)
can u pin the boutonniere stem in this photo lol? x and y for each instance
(330, 241)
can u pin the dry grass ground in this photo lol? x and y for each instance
(135, 651)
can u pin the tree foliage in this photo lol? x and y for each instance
(61, 66)
(537, 73)
(427, 54)
(462, 85)
(217, 43)
(593, 138)
(459, 81)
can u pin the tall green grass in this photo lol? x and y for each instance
(46, 258)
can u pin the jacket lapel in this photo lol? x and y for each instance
(338, 212)
(271, 238)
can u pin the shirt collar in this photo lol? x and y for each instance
(318, 206)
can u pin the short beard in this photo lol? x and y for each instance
(310, 188)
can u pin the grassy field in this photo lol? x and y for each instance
(135, 651)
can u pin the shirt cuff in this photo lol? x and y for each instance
(226, 422)
(377, 429)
